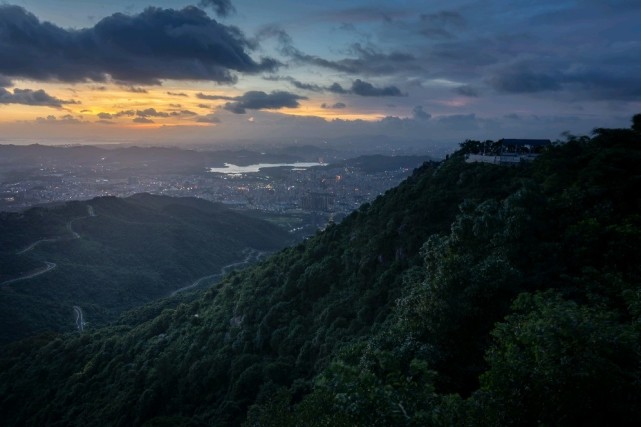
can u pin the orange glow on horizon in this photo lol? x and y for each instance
(119, 105)
(307, 110)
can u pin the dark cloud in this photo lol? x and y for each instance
(258, 100)
(105, 122)
(554, 52)
(466, 57)
(359, 87)
(221, 7)
(362, 88)
(255, 100)
(144, 48)
(601, 76)
(366, 60)
(419, 114)
(151, 112)
(467, 90)
(176, 105)
(209, 118)
(206, 106)
(336, 106)
(296, 83)
(523, 79)
(317, 61)
(371, 61)
(32, 97)
(337, 88)
(605, 81)
(66, 119)
(177, 94)
(183, 113)
(136, 89)
(306, 86)
(273, 32)
(215, 97)
(143, 120)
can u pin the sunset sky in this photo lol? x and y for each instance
(163, 71)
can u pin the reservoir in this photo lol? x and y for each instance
(235, 169)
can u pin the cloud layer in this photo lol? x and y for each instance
(259, 100)
(31, 97)
(144, 48)
(359, 87)
(459, 67)
(221, 7)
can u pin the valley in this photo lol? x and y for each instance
(432, 304)
(108, 255)
(359, 213)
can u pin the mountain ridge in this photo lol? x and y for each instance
(110, 254)
(433, 305)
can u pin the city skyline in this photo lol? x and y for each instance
(218, 70)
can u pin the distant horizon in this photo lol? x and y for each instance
(234, 146)
(183, 72)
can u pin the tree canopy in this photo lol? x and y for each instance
(471, 294)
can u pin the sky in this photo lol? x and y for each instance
(211, 71)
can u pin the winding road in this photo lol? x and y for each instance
(80, 320)
(36, 243)
(252, 256)
(49, 265)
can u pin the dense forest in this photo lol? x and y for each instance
(111, 255)
(471, 294)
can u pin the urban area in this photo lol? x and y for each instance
(317, 194)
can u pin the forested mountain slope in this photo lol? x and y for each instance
(472, 294)
(108, 255)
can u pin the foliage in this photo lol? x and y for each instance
(557, 361)
(472, 294)
(131, 252)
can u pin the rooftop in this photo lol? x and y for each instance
(524, 142)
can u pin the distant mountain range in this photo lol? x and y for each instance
(108, 255)
(136, 160)
(141, 160)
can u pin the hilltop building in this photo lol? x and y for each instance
(510, 151)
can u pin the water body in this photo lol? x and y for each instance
(230, 169)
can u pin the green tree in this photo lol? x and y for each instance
(555, 362)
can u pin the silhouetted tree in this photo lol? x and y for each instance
(636, 123)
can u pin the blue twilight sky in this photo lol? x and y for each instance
(218, 70)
